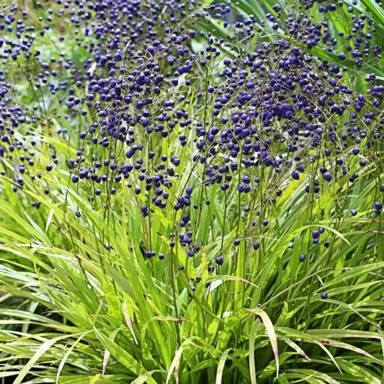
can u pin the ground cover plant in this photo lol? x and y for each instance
(191, 192)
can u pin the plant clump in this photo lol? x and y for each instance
(190, 184)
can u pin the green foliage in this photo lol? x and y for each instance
(80, 304)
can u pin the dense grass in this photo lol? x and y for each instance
(81, 303)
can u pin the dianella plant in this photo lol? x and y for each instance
(191, 191)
